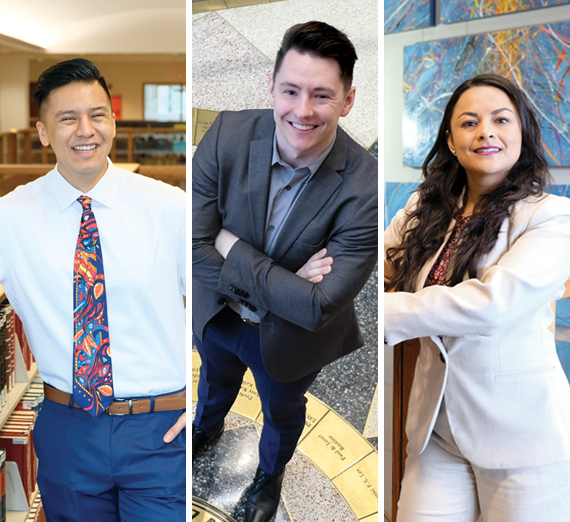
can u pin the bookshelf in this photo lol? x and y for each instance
(23, 379)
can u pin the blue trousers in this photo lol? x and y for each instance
(229, 347)
(110, 468)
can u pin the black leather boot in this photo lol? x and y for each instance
(263, 498)
(201, 439)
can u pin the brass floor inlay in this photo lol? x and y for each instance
(343, 454)
(202, 511)
(203, 6)
(201, 121)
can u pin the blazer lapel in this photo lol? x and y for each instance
(315, 195)
(260, 154)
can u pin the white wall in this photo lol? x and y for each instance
(393, 110)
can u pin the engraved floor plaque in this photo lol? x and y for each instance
(196, 363)
(316, 410)
(203, 6)
(201, 121)
(334, 446)
(359, 486)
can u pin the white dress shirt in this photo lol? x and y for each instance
(141, 223)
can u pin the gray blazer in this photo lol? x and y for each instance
(304, 326)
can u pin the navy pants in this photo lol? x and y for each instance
(229, 347)
(110, 468)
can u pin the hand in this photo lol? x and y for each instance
(316, 267)
(224, 242)
(173, 432)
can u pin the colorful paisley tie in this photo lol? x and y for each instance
(92, 375)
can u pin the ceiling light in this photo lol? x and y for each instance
(24, 30)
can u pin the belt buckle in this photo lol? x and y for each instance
(250, 322)
(130, 401)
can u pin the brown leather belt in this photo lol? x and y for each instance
(174, 401)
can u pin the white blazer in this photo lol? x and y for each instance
(506, 394)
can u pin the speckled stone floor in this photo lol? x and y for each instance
(232, 58)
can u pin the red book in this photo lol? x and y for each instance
(19, 450)
(26, 419)
(4, 502)
(19, 332)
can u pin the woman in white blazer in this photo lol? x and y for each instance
(472, 266)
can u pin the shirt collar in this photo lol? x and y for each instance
(104, 192)
(313, 167)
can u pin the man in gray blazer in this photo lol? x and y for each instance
(285, 235)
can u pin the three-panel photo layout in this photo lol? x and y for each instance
(310, 129)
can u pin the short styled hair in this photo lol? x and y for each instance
(63, 73)
(322, 40)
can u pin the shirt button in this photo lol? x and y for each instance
(271, 227)
(232, 288)
(288, 187)
(222, 302)
(442, 358)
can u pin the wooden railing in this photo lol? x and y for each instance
(131, 133)
(16, 146)
(13, 175)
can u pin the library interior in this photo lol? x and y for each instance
(140, 50)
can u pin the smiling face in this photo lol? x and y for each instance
(485, 136)
(79, 124)
(308, 98)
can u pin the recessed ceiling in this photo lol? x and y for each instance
(94, 27)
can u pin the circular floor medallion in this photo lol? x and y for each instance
(202, 511)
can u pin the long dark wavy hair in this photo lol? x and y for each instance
(445, 180)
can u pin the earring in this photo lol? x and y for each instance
(452, 151)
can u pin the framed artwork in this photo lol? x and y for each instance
(535, 58)
(459, 10)
(406, 15)
(396, 196)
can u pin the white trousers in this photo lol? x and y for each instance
(441, 485)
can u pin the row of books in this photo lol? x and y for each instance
(36, 512)
(11, 334)
(17, 445)
(7, 351)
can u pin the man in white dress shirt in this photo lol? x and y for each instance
(109, 467)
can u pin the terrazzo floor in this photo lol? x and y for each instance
(232, 58)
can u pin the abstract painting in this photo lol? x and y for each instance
(405, 15)
(534, 58)
(458, 10)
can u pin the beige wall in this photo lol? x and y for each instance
(14, 87)
(127, 77)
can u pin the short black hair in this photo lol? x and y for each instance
(63, 73)
(322, 40)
